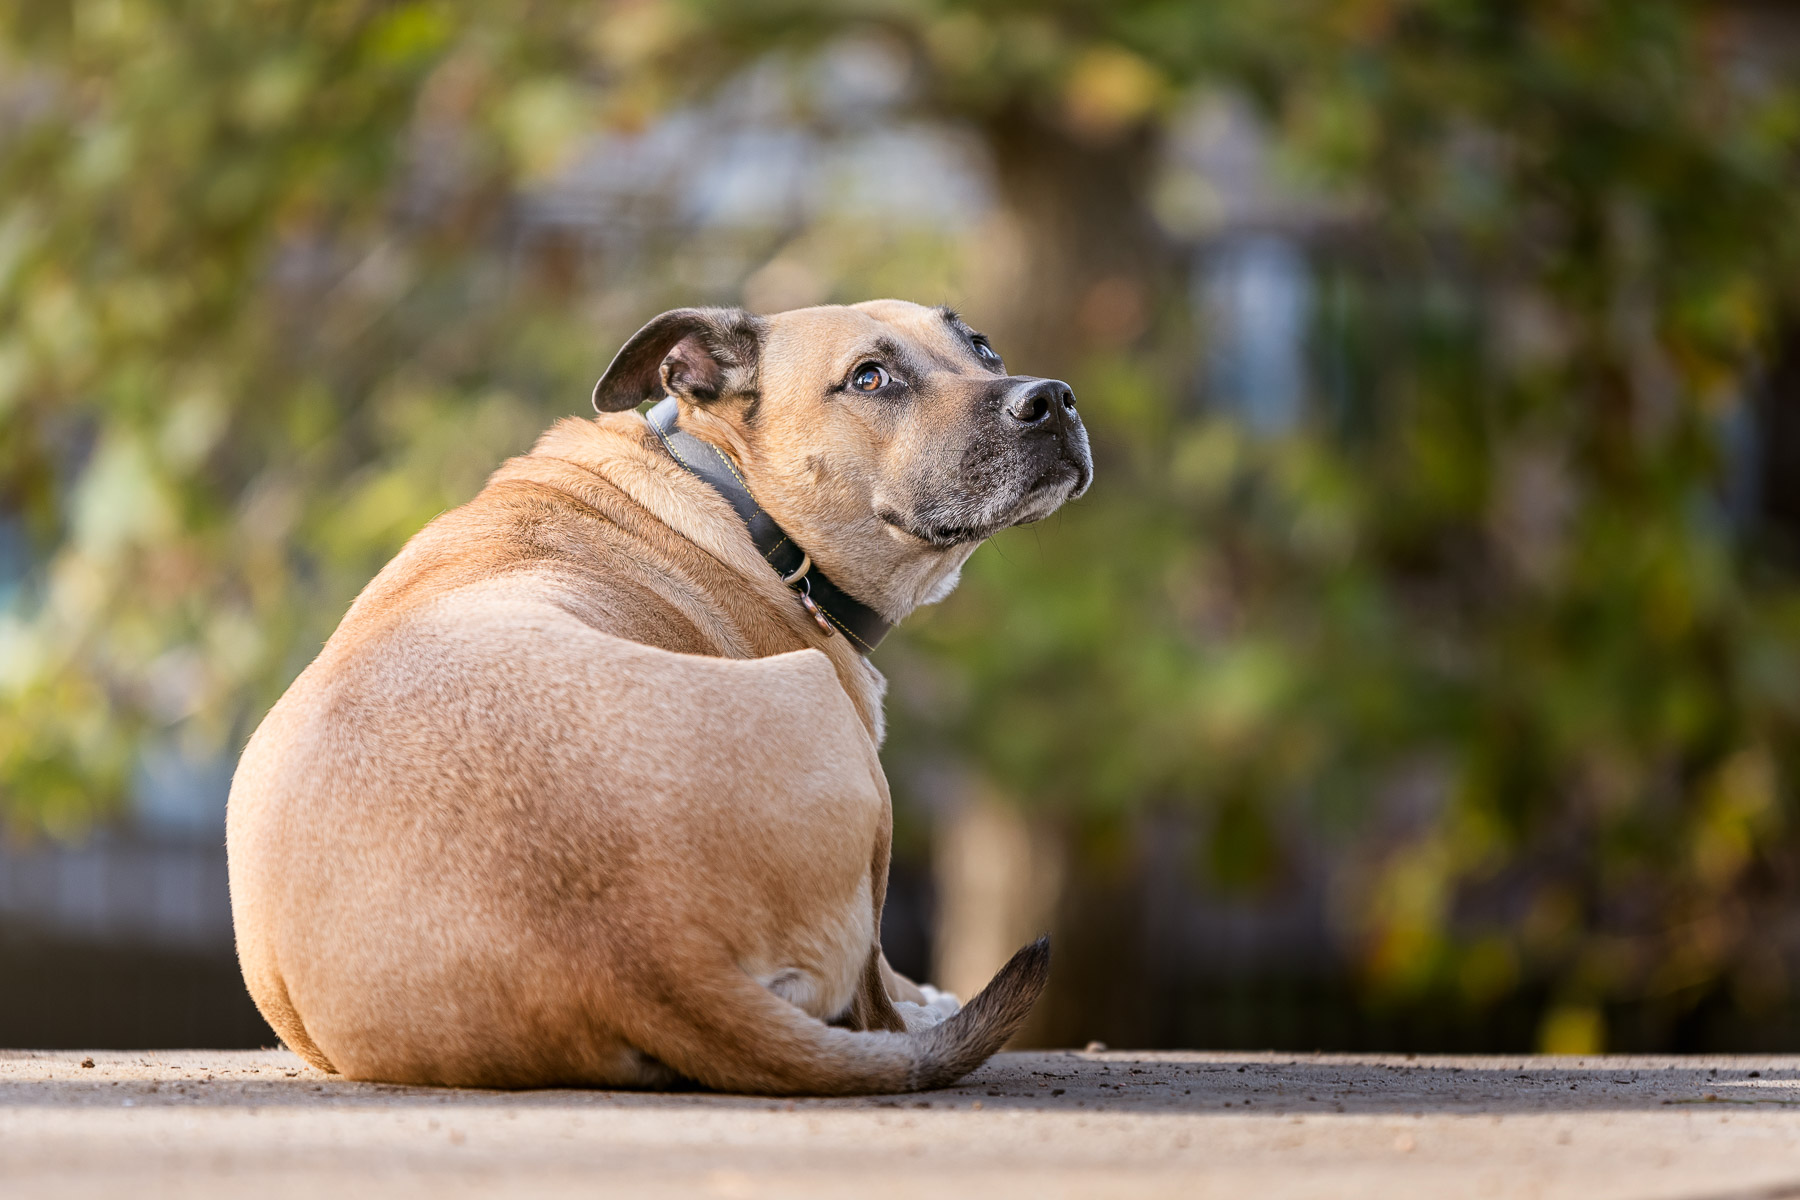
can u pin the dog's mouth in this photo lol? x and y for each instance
(943, 536)
(1061, 482)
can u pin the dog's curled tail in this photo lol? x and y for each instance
(754, 1041)
(970, 1035)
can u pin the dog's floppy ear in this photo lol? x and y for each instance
(696, 353)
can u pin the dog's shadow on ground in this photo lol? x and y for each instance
(1171, 1083)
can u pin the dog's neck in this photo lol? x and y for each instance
(891, 572)
(894, 573)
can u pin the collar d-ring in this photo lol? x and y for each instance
(798, 574)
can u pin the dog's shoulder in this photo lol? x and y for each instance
(550, 525)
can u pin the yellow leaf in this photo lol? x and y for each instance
(1109, 90)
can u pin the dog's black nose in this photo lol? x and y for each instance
(1031, 403)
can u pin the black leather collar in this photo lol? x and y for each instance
(831, 607)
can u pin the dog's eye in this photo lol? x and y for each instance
(869, 377)
(988, 354)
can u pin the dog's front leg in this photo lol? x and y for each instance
(886, 999)
(898, 986)
(871, 1008)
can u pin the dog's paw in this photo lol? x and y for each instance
(919, 1017)
(942, 1002)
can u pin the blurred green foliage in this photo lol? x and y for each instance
(1479, 628)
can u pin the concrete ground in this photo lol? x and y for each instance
(1191, 1124)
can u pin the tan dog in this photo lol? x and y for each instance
(580, 793)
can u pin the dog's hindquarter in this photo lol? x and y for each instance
(572, 821)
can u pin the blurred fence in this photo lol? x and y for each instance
(123, 943)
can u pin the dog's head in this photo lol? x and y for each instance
(886, 438)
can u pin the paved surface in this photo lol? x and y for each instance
(216, 1123)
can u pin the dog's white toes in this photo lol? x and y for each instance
(944, 1002)
(919, 1017)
